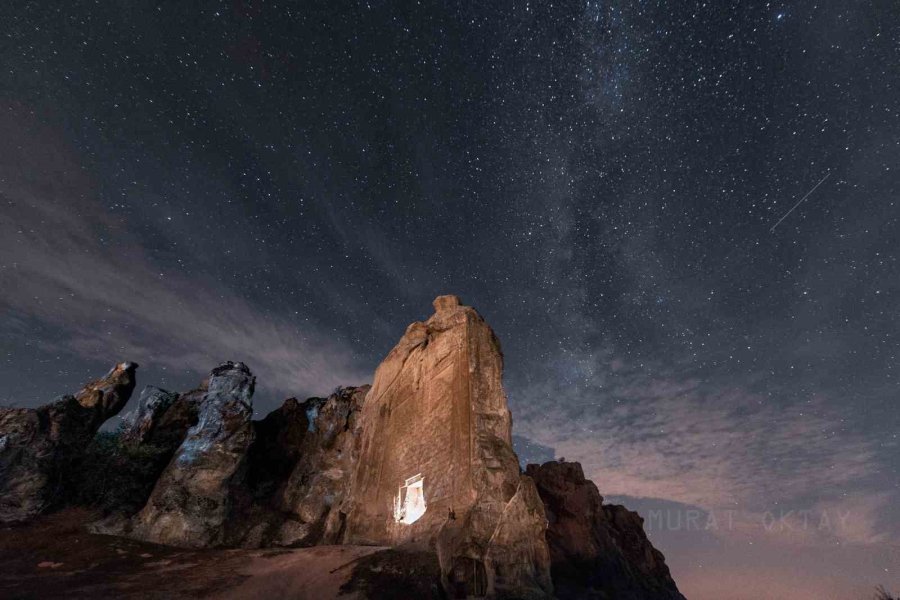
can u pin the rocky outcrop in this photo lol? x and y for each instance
(275, 449)
(436, 466)
(598, 550)
(317, 494)
(171, 427)
(422, 462)
(139, 425)
(192, 500)
(277, 443)
(299, 471)
(120, 471)
(39, 446)
(162, 419)
(279, 481)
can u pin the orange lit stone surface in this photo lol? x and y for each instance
(437, 409)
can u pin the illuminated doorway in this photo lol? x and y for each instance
(410, 502)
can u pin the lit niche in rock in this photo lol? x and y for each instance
(409, 504)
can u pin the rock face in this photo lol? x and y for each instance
(140, 424)
(598, 550)
(192, 499)
(278, 481)
(436, 466)
(171, 427)
(162, 419)
(300, 467)
(38, 446)
(317, 492)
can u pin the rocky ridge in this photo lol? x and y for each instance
(422, 461)
(597, 550)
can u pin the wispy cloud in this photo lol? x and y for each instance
(69, 262)
(645, 431)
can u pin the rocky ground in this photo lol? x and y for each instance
(53, 557)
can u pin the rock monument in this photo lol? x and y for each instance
(437, 467)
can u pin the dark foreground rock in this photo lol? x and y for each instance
(192, 499)
(437, 467)
(54, 558)
(396, 574)
(39, 447)
(597, 550)
(300, 470)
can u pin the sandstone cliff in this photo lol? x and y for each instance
(437, 468)
(38, 446)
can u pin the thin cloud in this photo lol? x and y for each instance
(68, 262)
(679, 439)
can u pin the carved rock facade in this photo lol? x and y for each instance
(437, 468)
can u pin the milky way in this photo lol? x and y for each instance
(291, 184)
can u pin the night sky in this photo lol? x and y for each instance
(290, 184)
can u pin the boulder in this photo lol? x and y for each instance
(597, 550)
(38, 447)
(436, 466)
(192, 499)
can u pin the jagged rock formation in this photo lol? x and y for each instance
(283, 484)
(299, 471)
(421, 461)
(437, 468)
(319, 486)
(169, 428)
(598, 550)
(192, 499)
(120, 472)
(38, 446)
(140, 424)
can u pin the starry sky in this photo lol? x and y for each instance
(613, 185)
